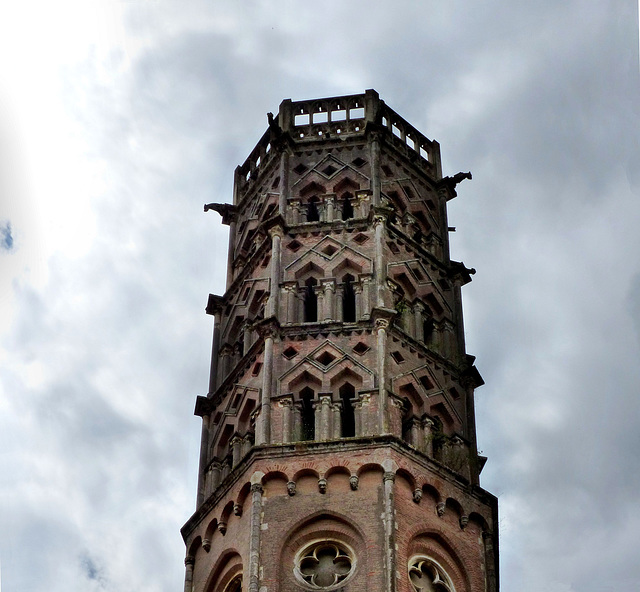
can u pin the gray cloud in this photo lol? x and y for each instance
(100, 368)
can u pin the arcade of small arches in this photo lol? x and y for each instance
(328, 396)
(325, 557)
(414, 487)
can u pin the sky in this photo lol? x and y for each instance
(120, 119)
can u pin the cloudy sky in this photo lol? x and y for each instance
(118, 120)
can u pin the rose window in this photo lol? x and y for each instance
(426, 574)
(324, 564)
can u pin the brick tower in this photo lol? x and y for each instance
(338, 435)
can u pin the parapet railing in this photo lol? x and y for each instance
(339, 116)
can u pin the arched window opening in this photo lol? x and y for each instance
(313, 215)
(347, 207)
(310, 301)
(348, 300)
(427, 329)
(308, 415)
(347, 392)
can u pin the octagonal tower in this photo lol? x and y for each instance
(338, 434)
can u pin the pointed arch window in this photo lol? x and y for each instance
(348, 299)
(427, 325)
(313, 214)
(427, 574)
(347, 206)
(310, 301)
(347, 392)
(307, 414)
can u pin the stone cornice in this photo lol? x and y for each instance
(316, 449)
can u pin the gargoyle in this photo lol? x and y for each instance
(227, 211)
(451, 182)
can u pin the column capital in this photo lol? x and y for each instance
(382, 317)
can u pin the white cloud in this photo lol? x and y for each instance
(127, 117)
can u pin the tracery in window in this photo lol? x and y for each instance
(234, 585)
(324, 565)
(428, 575)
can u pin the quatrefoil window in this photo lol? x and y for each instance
(427, 575)
(324, 565)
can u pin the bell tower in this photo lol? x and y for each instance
(338, 434)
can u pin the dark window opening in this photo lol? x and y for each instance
(347, 392)
(308, 415)
(310, 301)
(313, 215)
(348, 300)
(347, 207)
(427, 330)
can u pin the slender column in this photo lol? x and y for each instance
(274, 288)
(317, 417)
(189, 560)
(225, 353)
(247, 443)
(215, 347)
(361, 205)
(284, 183)
(337, 419)
(292, 212)
(417, 434)
(236, 450)
(383, 419)
(246, 338)
(357, 415)
(418, 321)
(230, 253)
(254, 539)
(325, 418)
(226, 469)
(204, 452)
(389, 527)
(338, 302)
(329, 288)
(427, 426)
(263, 435)
(357, 288)
(329, 201)
(291, 289)
(407, 321)
(216, 475)
(320, 298)
(365, 307)
(375, 169)
(449, 340)
(287, 406)
(378, 223)
(297, 421)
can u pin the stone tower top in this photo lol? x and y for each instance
(340, 388)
